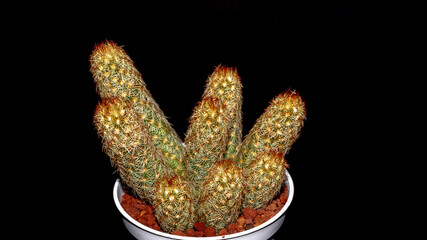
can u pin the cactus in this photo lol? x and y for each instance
(174, 203)
(129, 145)
(264, 178)
(115, 75)
(217, 173)
(277, 128)
(221, 194)
(206, 138)
(225, 84)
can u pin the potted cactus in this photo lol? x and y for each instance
(213, 175)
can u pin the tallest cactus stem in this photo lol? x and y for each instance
(115, 75)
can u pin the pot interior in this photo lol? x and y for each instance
(118, 193)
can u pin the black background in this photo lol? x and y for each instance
(317, 48)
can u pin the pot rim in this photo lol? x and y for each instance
(291, 190)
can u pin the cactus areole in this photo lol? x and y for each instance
(216, 173)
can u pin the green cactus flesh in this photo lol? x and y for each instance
(277, 128)
(221, 195)
(225, 84)
(206, 138)
(264, 178)
(128, 144)
(174, 204)
(115, 75)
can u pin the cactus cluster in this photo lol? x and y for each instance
(115, 75)
(215, 173)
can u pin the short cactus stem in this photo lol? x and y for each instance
(115, 75)
(128, 144)
(264, 178)
(221, 195)
(277, 128)
(174, 204)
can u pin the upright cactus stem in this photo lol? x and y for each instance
(129, 145)
(264, 178)
(174, 204)
(225, 84)
(115, 75)
(221, 194)
(276, 129)
(206, 138)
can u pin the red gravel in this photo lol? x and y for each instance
(210, 232)
(179, 233)
(249, 213)
(249, 218)
(199, 226)
(222, 232)
(140, 211)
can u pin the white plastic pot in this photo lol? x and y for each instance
(263, 231)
